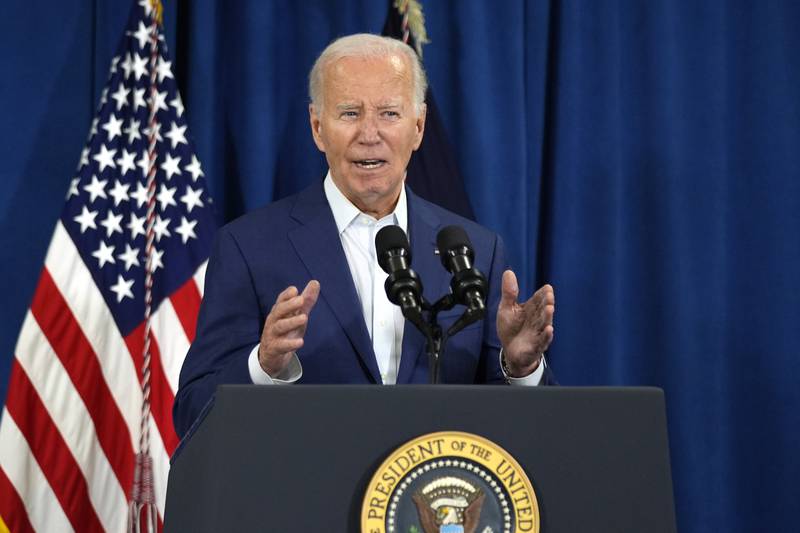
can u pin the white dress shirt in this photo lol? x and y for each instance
(383, 319)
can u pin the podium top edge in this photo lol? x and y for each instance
(293, 389)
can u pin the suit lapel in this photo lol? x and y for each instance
(318, 245)
(423, 225)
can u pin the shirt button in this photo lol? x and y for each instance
(382, 323)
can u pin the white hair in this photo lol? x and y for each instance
(366, 45)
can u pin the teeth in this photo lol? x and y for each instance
(369, 163)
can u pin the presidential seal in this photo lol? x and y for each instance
(450, 482)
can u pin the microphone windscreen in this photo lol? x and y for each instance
(391, 238)
(451, 237)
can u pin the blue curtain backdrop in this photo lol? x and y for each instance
(641, 156)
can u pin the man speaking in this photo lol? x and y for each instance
(367, 115)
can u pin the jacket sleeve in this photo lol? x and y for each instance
(228, 327)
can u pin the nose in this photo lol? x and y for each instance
(370, 132)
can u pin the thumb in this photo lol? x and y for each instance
(510, 290)
(310, 295)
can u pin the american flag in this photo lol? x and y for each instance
(71, 425)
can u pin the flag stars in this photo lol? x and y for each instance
(144, 163)
(127, 65)
(142, 34)
(120, 96)
(113, 127)
(132, 131)
(177, 135)
(155, 131)
(105, 158)
(112, 223)
(194, 168)
(139, 66)
(192, 198)
(73, 188)
(140, 195)
(119, 192)
(136, 225)
(178, 105)
(166, 196)
(145, 4)
(122, 288)
(158, 99)
(186, 230)
(126, 162)
(170, 166)
(138, 99)
(104, 254)
(130, 257)
(96, 189)
(154, 261)
(164, 69)
(84, 158)
(161, 228)
(86, 219)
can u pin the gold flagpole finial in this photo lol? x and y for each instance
(411, 10)
(159, 11)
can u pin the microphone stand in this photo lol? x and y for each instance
(436, 338)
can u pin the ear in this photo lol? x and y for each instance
(315, 120)
(420, 126)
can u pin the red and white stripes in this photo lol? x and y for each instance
(72, 423)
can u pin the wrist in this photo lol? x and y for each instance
(270, 365)
(511, 367)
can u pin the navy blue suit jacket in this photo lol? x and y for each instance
(295, 240)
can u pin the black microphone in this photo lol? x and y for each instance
(403, 286)
(468, 284)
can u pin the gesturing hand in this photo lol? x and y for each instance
(525, 330)
(285, 327)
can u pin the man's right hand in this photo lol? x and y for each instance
(285, 327)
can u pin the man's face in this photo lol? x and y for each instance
(368, 128)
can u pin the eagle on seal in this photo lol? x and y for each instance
(449, 505)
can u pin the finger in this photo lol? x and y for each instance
(510, 289)
(310, 295)
(546, 317)
(548, 294)
(545, 339)
(284, 345)
(543, 296)
(287, 293)
(536, 303)
(287, 325)
(287, 307)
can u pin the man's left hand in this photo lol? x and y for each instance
(525, 330)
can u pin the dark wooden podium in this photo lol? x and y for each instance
(299, 458)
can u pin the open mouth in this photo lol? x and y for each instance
(369, 163)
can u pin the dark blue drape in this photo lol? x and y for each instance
(643, 157)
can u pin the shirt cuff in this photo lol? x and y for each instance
(290, 374)
(531, 380)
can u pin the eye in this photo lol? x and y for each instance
(391, 114)
(348, 114)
